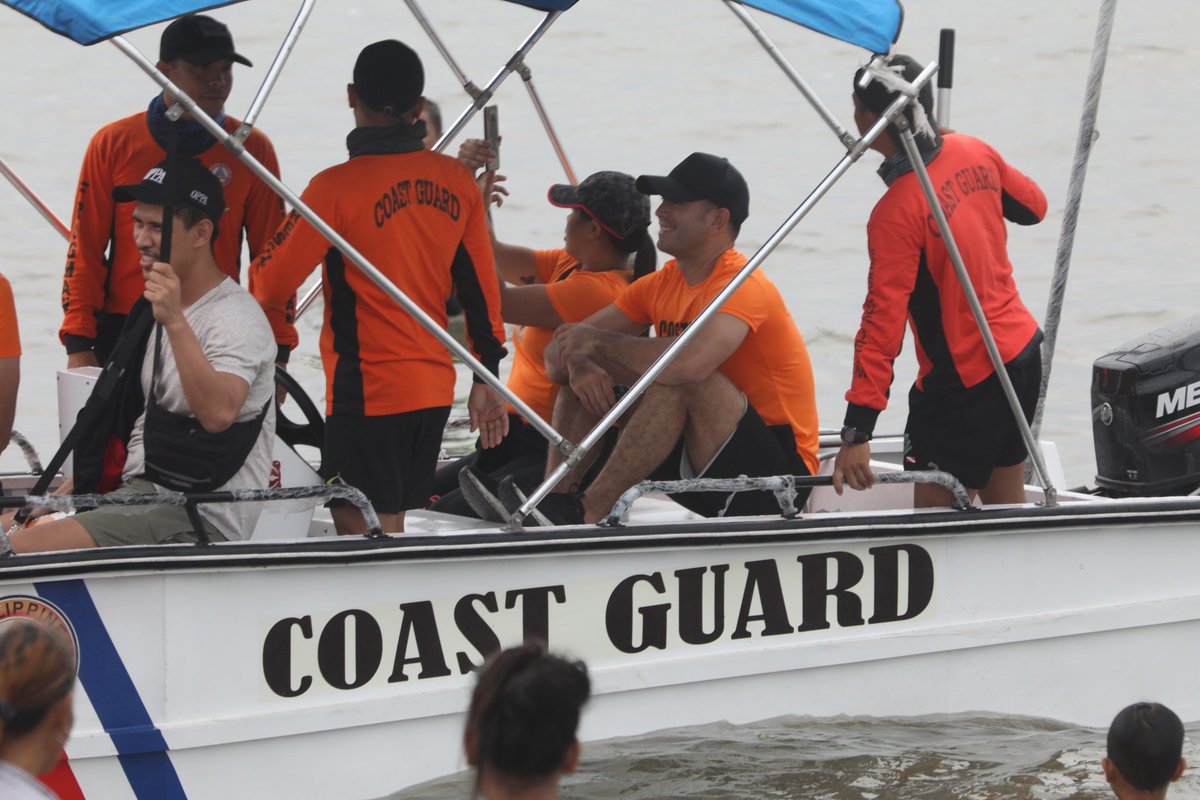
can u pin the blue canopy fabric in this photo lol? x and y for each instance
(546, 5)
(872, 24)
(91, 21)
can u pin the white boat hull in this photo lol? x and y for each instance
(341, 668)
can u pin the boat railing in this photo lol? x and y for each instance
(191, 500)
(785, 487)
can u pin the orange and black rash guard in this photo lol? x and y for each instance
(102, 272)
(771, 365)
(419, 218)
(10, 334)
(576, 294)
(912, 277)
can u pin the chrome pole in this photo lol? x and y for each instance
(238, 148)
(484, 95)
(844, 136)
(275, 70)
(856, 151)
(527, 76)
(1035, 454)
(34, 200)
(424, 22)
(308, 298)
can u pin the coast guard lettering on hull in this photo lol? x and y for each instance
(598, 619)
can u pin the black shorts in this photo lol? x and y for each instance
(521, 453)
(969, 432)
(391, 459)
(756, 450)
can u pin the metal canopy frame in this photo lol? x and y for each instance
(574, 453)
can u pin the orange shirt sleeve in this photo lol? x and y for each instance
(10, 335)
(749, 304)
(288, 259)
(475, 280)
(550, 262)
(636, 301)
(91, 229)
(895, 246)
(264, 208)
(584, 293)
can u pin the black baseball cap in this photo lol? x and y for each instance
(610, 198)
(702, 176)
(193, 184)
(388, 76)
(198, 40)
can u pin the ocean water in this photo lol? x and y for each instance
(945, 757)
(636, 85)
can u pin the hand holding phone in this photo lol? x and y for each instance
(491, 132)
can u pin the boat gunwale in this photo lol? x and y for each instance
(682, 535)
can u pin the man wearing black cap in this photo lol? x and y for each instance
(210, 362)
(959, 419)
(102, 279)
(418, 217)
(738, 400)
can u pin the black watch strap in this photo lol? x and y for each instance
(852, 436)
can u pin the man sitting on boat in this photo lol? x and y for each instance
(959, 420)
(607, 245)
(738, 400)
(207, 375)
(102, 277)
(418, 216)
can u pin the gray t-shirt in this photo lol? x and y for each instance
(17, 784)
(237, 339)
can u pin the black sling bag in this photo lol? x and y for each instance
(181, 454)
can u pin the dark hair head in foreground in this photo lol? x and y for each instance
(1145, 746)
(37, 674)
(523, 717)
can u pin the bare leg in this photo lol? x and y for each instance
(1007, 485)
(62, 534)
(349, 521)
(929, 495)
(705, 413)
(574, 422)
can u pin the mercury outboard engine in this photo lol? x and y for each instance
(1146, 413)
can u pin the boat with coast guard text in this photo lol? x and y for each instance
(298, 664)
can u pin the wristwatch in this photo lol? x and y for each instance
(852, 436)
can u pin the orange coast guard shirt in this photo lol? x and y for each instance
(771, 365)
(576, 294)
(98, 278)
(10, 335)
(419, 218)
(912, 278)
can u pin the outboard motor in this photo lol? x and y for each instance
(1146, 413)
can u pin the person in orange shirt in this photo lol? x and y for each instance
(608, 226)
(419, 217)
(959, 419)
(10, 361)
(739, 400)
(102, 278)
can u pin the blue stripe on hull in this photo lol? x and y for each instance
(141, 748)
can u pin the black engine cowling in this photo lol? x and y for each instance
(1146, 413)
